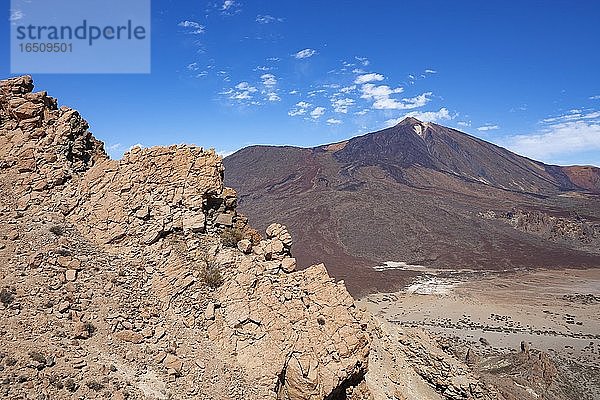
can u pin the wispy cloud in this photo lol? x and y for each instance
(382, 100)
(425, 116)
(464, 124)
(557, 140)
(317, 112)
(333, 121)
(300, 109)
(192, 27)
(306, 53)
(269, 81)
(341, 105)
(15, 15)
(597, 97)
(363, 60)
(373, 77)
(242, 92)
(488, 127)
(430, 71)
(267, 19)
(228, 7)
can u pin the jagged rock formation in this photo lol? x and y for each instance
(138, 279)
(145, 231)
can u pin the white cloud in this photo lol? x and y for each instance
(488, 128)
(138, 145)
(464, 123)
(300, 109)
(114, 147)
(597, 97)
(372, 91)
(15, 15)
(274, 59)
(573, 115)
(193, 67)
(404, 104)
(268, 80)
(267, 19)
(363, 60)
(333, 121)
(557, 140)
(314, 93)
(368, 78)
(426, 116)
(306, 53)
(225, 153)
(245, 86)
(341, 105)
(272, 96)
(382, 100)
(263, 68)
(194, 27)
(348, 89)
(430, 71)
(317, 112)
(242, 92)
(227, 4)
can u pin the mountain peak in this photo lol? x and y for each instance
(409, 121)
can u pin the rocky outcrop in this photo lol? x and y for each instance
(573, 230)
(298, 333)
(43, 145)
(56, 162)
(151, 193)
(145, 266)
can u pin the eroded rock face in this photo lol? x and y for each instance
(43, 146)
(149, 194)
(298, 334)
(146, 195)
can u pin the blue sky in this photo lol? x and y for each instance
(230, 73)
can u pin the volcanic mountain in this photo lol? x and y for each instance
(423, 194)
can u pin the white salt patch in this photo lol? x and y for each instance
(432, 285)
(399, 265)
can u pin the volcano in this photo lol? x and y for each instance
(421, 194)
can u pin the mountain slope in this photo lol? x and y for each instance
(423, 194)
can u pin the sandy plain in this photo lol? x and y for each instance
(556, 311)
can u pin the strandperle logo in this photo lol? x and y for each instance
(80, 36)
(85, 31)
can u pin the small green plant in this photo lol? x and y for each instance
(57, 230)
(231, 236)
(6, 296)
(211, 273)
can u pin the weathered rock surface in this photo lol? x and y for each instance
(298, 333)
